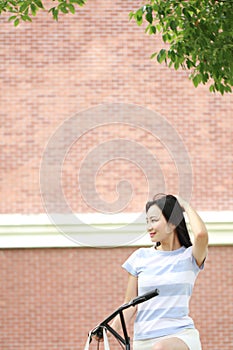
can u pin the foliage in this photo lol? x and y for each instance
(23, 10)
(198, 35)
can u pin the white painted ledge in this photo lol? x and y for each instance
(37, 231)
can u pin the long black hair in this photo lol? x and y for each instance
(173, 213)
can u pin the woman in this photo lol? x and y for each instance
(171, 265)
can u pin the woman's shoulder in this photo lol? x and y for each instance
(187, 251)
(144, 251)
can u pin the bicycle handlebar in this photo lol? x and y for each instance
(133, 302)
(144, 297)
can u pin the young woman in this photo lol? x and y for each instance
(171, 265)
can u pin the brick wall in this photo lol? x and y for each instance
(51, 298)
(51, 71)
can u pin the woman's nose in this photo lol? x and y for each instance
(149, 227)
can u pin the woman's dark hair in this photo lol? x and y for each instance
(173, 213)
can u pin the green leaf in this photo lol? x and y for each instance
(138, 16)
(221, 88)
(62, 8)
(13, 3)
(39, 4)
(24, 6)
(189, 63)
(172, 55)
(149, 9)
(79, 2)
(186, 14)
(131, 15)
(153, 55)
(152, 30)
(197, 80)
(165, 37)
(16, 22)
(12, 18)
(71, 8)
(228, 88)
(139, 12)
(54, 13)
(26, 18)
(176, 65)
(205, 78)
(161, 56)
(193, 9)
(149, 17)
(33, 9)
(211, 88)
(155, 7)
(173, 25)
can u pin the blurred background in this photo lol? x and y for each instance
(53, 289)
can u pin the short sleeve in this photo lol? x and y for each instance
(132, 263)
(199, 268)
(193, 260)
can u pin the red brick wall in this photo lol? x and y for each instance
(51, 298)
(50, 71)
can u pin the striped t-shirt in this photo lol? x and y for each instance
(173, 273)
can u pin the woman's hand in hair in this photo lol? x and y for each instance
(183, 203)
(200, 244)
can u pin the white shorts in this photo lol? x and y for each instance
(189, 336)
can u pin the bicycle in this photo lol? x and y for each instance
(100, 329)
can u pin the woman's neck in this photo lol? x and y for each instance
(172, 243)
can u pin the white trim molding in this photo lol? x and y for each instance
(37, 231)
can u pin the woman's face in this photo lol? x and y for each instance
(157, 226)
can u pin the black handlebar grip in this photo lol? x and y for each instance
(145, 297)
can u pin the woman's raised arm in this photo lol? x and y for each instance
(200, 244)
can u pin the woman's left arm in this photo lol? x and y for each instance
(200, 244)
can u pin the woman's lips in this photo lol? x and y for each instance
(152, 234)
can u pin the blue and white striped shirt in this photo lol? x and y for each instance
(174, 274)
